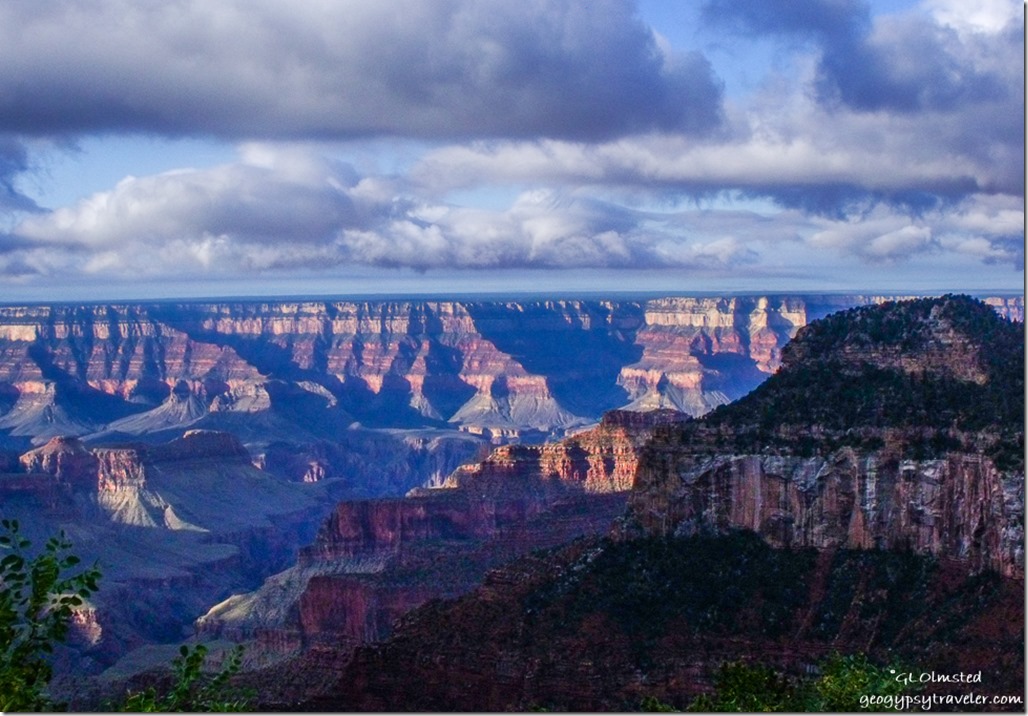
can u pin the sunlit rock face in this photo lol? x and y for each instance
(374, 560)
(501, 369)
(892, 428)
(866, 499)
(960, 506)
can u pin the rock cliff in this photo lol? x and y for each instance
(500, 368)
(67, 459)
(959, 506)
(374, 560)
(892, 428)
(867, 498)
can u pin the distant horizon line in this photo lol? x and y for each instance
(626, 294)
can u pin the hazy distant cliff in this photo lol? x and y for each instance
(499, 368)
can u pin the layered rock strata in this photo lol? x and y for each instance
(174, 528)
(503, 369)
(372, 561)
(867, 498)
(959, 506)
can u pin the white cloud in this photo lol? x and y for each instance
(988, 16)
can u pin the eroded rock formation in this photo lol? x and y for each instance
(867, 498)
(374, 560)
(959, 506)
(503, 369)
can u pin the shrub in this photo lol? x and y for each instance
(37, 598)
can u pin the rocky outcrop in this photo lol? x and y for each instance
(120, 469)
(201, 445)
(959, 507)
(67, 459)
(374, 560)
(502, 369)
(600, 460)
(919, 392)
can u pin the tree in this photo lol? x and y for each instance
(37, 598)
(745, 687)
(842, 681)
(193, 690)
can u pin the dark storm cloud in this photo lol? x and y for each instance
(902, 63)
(909, 64)
(14, 160)
(947, 120)
(253, 68)
(841, 200)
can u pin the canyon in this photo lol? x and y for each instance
(302, 474)
(867, 498)
(173, 528)
(310, 370)
(374, 560)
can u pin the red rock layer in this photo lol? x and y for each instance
(374, 560)
(960, 507)
(66, 459)
(480, 365)
(487, 652)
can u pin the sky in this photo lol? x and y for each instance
(183, 148)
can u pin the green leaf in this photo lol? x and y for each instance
(12, 562)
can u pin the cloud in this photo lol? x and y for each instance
(819, 20)
(982, 16)
(266, 203)
(14, 161)
(914, 114)
(989, 229)
(910, 63)
(267, 69)
(824, 164)
(282, 208)
(885, 141)
(900, 63)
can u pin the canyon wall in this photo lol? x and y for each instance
(503, 369)
(958, 507)
(174, 528)
(374, 560)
